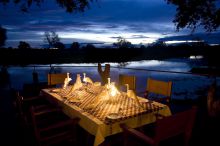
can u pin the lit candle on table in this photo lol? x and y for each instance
(67, 74)
(127, 87)
(109, 81)
(84, 77)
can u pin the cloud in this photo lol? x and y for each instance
(105, 20)
(139, 36)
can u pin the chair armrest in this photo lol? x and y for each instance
(69, 122)
(32, 98)
(164, 99)
(44, 109)
(137, 134)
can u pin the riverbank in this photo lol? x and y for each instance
(94, 55)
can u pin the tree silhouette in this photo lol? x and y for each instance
(159, 44)
(90, 46)
(142, 46)
(69, 5)
(59, 45)
(51, 38)
(194, 13)
(23, 45)
(2, 36)
(75, 45)
(122, 43)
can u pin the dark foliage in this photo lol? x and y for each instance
(122, 43)
(69, 5)
(23, 45)
(59, 45)
(2, 36)
(195, 13)
(90, 46)
(94, 55)
(75, 46)
(52, 38)
(73, 5)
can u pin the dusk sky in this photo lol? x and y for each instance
(138, 21)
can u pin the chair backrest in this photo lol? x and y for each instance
(19, 104)
(213, 102)
(54, 79)
(33, 89)
(37, 116)
(127, 79)
(34, 123)
(159, 87)
(174, 125)
(51, 126)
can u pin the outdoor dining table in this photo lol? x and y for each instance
(101, 116)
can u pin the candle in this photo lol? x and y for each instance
(78, 79)
(127, 87)
(109, 81)
(67, 75)
(84, 77)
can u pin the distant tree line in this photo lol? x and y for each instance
(90, 54)
(123, 51)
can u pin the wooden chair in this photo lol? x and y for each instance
(213, 103)
(20, 110)
(166, 128)
(23, 105)
(127, 79)
(52, 126)
(159, 90)
(33, 89)
(56, 79)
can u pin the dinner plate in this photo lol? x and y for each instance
(113, 116)
(55, 90)
(143, 100)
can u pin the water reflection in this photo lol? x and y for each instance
(196, 57)
(185, 85)
(176, 65)
(4, 77)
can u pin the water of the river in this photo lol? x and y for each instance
(184, 85)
